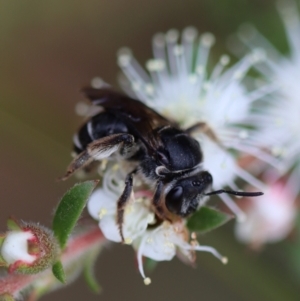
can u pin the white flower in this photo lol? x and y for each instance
(277, 121)
(158, 242)
(15, 247)
(102, 206)
(278, 118)
(270, 218)
(178, 86)
(165, 241)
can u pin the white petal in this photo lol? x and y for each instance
(15, 247)
(102, 203)
(159, 244)
(158, 249)
(136, 220)
(219, 163)
(110, 229)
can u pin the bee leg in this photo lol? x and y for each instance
(157, 202)
(125, 196)
(99, 150)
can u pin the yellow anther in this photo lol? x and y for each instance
(224, 260)
(193, 235)
(128, 241)
(147, 281)
(102, 212)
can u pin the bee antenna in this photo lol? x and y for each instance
(237, 193)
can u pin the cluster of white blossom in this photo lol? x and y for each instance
(278, 123)
(181, 90)
(179, 86)
(262, 122)
(158, 243)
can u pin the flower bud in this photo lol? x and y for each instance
(270, 218)
(28, 248)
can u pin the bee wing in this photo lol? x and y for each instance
(142, 120)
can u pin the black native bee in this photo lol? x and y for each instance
(165, 155)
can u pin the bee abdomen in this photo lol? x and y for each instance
(101, 125)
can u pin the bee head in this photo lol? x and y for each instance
(184, 197)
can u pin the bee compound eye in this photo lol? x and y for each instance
(174, 199)
(207, 177)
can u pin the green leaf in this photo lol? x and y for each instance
(6, 297)
(2, 238)
(3, 263)
(70, 209)
(206, 219)
(150, 264)
(58, 272)
(89, 275)
(13, 225)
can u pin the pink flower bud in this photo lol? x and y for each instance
(270, 218)
(30, 249)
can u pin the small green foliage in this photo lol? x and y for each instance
(13, 225)
(207, 219)
(58, 272)
(6, 297)
(150, 264)
(70, 209)
(89, 275)
(2, 261)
